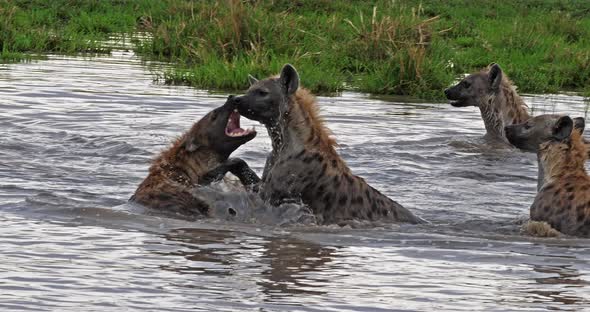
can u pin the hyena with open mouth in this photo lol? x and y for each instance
(563, 190)
(304, 165)
(197, 158)
(495, 96)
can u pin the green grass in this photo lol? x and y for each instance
(387, 47)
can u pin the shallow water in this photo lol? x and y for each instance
(77, 137)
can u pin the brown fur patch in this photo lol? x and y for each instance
(307, 105)
(564, 200)
(539, 229)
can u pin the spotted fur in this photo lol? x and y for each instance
(197, 158)
(304, 164)
(563, 198)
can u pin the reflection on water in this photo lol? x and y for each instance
(282, 262)
(77, 138)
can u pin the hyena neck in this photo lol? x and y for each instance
(502, 109)
(276, 137)
(303, 129)
(541, 173)
(493, 121)
(191, 166)
(571, 163)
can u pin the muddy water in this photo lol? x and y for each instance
(77, 136)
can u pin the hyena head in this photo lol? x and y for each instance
(565, 147)
(219, 131)
(266, 100)
(476, 88)
(531, 134)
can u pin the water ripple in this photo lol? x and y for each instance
(78, 135)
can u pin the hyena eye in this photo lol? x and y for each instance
(262, 92)
(466, 84)
(527, 126)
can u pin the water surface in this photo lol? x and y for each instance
(77, 138)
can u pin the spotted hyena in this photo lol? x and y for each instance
(495, 96)
(563, 197)
(529, 135)
(304, 165)
(197, 158)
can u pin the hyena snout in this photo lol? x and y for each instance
(447, 92)
(453, 93)
(512, 133)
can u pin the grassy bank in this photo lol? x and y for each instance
(389, 47)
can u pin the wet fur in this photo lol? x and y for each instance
(500, 105)
(195, 159)
(564, 199)
(539, 229)
(304, 165)
(171, 179)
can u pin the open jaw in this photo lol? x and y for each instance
(232, 129)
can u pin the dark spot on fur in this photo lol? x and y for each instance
(334, 163)
(367, 193)
(358, 200)
(164, 197)
(320, 189)
(316, 140)
(328, 199)
(375, 208)
(300, 154)
(336, 181)
(323, 171)
(571, 197)
(342, 200)
(355, 214)
(308, 159)
(549, 187)
(370, 214)
(581, 216)
(569, 188)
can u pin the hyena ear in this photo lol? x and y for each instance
(579, 124)
(563, 128)
(495, 76)
(289, 79)
(252, 80)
